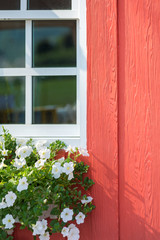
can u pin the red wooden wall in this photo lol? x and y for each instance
(102, 117)
(139, 118)
(123, 135)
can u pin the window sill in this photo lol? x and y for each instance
(70, 134)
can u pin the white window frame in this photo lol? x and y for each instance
(74, 134)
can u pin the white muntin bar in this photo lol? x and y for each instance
(39, 14)
(28, 44)
(28, 100)
(28, 64)
(38, 71)
(54, 71)
(23, 5)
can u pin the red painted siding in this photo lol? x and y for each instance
(102, 117)
(139, 119)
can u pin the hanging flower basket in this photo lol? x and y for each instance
(38, 181)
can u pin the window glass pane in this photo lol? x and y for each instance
(12, 100)
(54, 43)
(49, 4)
(12, 44)
(54, 100)
(10, 5)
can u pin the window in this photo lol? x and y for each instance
(43, 69)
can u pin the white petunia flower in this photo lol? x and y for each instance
(70, 149)
(40, 163)
(4, 152)
(44, 224)
(21, 142)
(10, 198)
(24, 151)
(40, 227)
(61, 160)
(87, 200)
(70, 176)
(74, 234)
(2, 163)
(3, 204)
(67, 214)
(65, 231)
(83, 152)
(41, 144)
(22, 185)
(44, 236)
(19, 162)
(56, 170)
(8, 221)
(44, 153)
(80, 218)
(68, 168)
(71, 226)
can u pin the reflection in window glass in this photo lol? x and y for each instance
(48, 4)
(12, 100)
(54, 43)
(10, 5)
(12, 44)
(54, 100)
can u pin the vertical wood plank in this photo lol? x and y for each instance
(139, 119)
(102, 118)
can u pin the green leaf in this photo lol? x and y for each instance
(10, 238)
(57, 227)
(79, 194)
(22, 227)
(3, 234)
(53, 222)
(55, 211)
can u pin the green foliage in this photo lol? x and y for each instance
(43, 188)
(57, 145)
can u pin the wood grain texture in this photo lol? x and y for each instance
(139, 119)
(102, 118)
